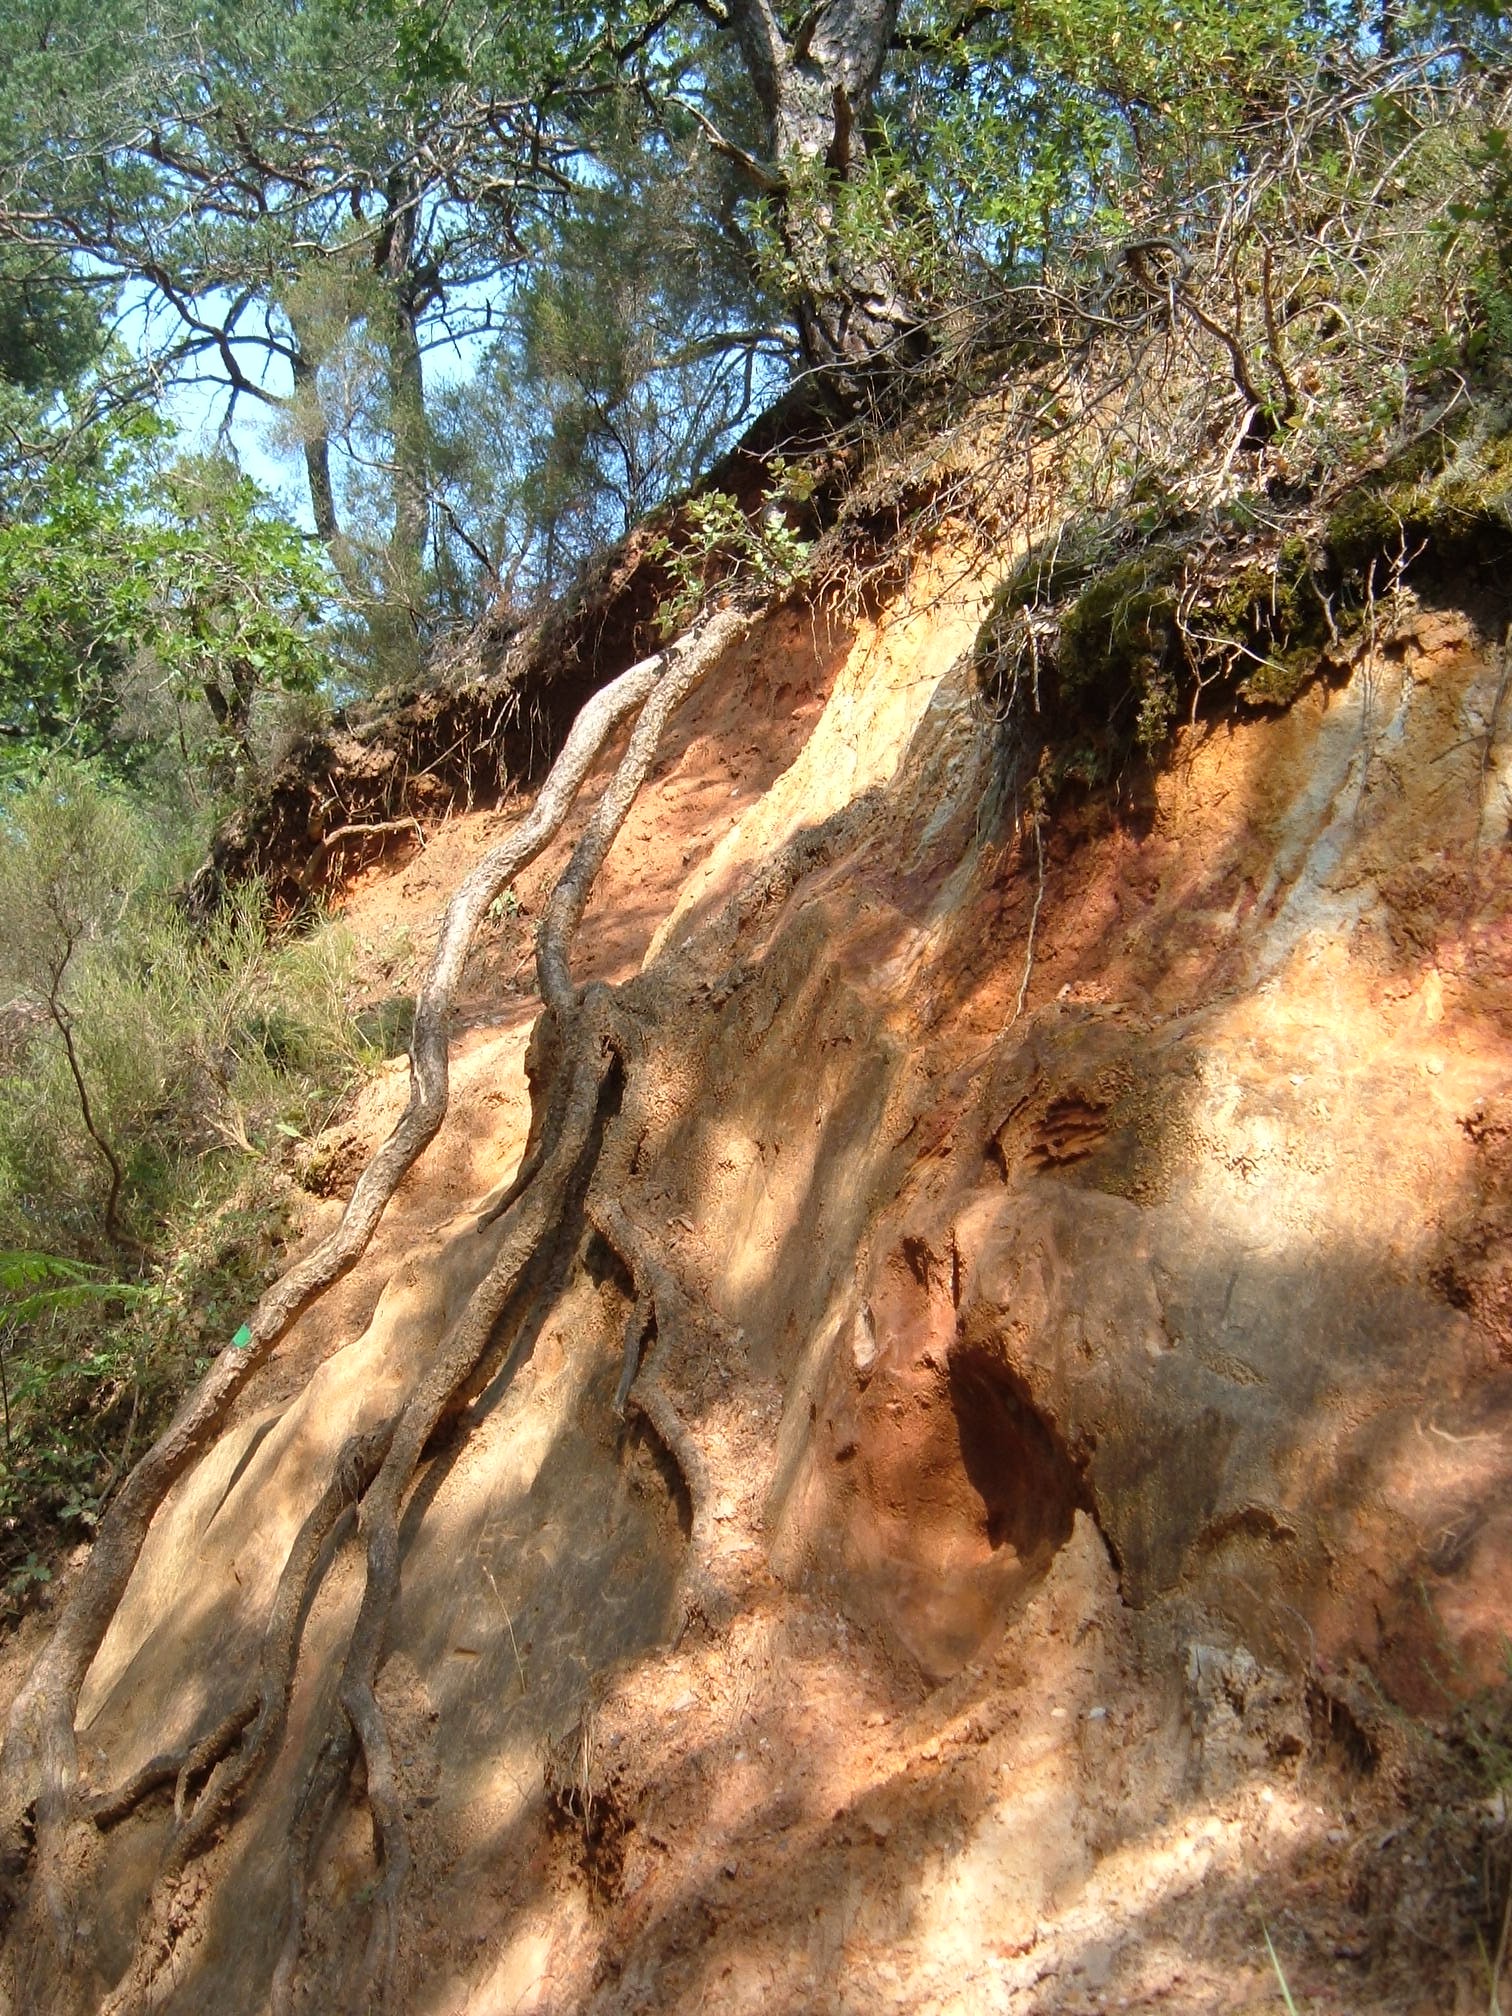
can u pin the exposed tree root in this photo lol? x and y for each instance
(529, 1222)
(378, 829)
(580, 1045)
(592, 1041)
(315, 1800)
(662, 1306)
(639, 1321)
(663, 1310)
(257, 1720)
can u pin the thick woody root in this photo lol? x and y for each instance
(529, 1224)
(578, 1046)
(664, 1321)
(257, 1716)
(594, 1038)
(254, 1726)
(315, 1801)
(39, 1764)
(663, 1325)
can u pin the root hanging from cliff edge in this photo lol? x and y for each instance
(585, 1043)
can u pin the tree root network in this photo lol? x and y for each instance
(585, 1048)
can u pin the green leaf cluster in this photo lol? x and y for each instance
(128, 564)
(721, 546)
(1044, 124)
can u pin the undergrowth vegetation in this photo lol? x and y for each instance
(154, 1078)
(1124, 623)
(1480, 1749)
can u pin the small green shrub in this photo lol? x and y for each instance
(386, 1027)
(91, 1373)
(726, 546)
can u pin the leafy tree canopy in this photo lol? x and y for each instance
(133, 568)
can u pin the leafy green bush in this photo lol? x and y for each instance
(126, 561)
(724, 546)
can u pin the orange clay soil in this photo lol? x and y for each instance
(1097, 1418)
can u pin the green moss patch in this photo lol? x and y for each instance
(1049, 571)
(1121, 640)
(1435, 496)
(1123, 619)
(1103, 636)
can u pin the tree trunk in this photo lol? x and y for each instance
(315, 445)
(388, 591)
(855, 318)
(404, 566)
(232, 714)
(64, 1027)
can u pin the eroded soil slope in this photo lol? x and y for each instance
(1097, 1392)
